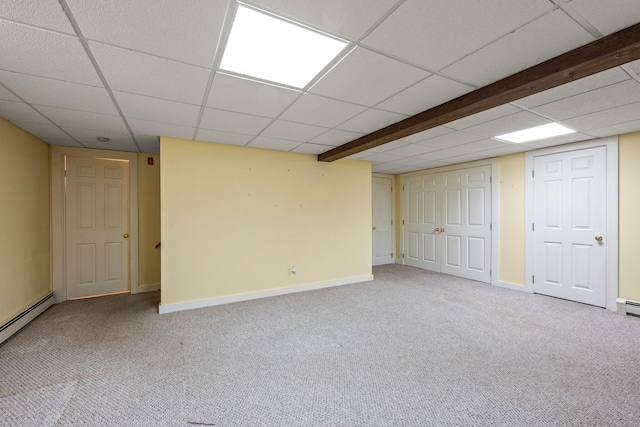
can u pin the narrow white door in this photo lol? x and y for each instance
(569, 225)
(465, 229)
(382, 220)
(422, 216)
(96, 226)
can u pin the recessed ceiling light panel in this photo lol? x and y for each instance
(536, 133)
(276, 50)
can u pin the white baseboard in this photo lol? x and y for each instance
(148, 288)
(512, 286)
(180, 306)
(21, 320)
(627, 307)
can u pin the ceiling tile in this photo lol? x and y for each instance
(320, 111)
(477, 146)
(608, 16)
(439, 155)
(430, 92)
(602, 79)
(150, 128)
(184, 31)
(348, 19)
(618, 129)
(157, 110)
(223, 137)
(87, 137)
(148, 144)
(435, 34)
(5, 95)
(371, 120)
(20, 112)
(81, 119)
(503, 151)
(228, 121)
(40, 13)
(606, 118)
(250, 97)
(149, 75)
(308, 148)
(385, 167)
(542, 39)
(484, 116)
(451, 140)
(363, 77)
(410, 161)
(615, 95)
(634, 67)
(273, 144)
(335, 137)
(56, 93)
(42, 130)
(46, 54)
(292, 131)
(564, 139)
(507, 124)
(381, 158)
(426, 134)
(389, 146)
(411, 150)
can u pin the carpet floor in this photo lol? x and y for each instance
(411, 348)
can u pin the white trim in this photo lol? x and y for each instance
(36, 310)
(58, 154)
(512, 286)
(625, 307)
(149, 288)
(209, 302)
(621, 306)
(393, 210)
(611, 145)
(495, 193)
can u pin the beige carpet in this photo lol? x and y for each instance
(411, 348)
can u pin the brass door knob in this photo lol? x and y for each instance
(442, 230)
(437, 230)
(599, 238)
(373, 228)
(125, 235)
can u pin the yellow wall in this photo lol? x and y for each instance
(24, 220)
(234, 219)
(511, 220)
(629, 208)
(149, 219)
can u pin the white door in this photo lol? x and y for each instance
(569, 225)
(382, 220)
(422, 216)
(96, 226)
(447, 222)
(466, 223)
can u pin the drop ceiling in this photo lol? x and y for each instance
(75, 70)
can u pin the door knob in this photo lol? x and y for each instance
(373, 228)
(442, 229)
(437, 230)
(599, 238)
(125, 235)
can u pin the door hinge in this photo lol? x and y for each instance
(490, 179)
(533, 279)
(391, 255)
(402, 256)
(403, 222)
(490, 227)
(392, 189)
(391, 222)
(533, 226)
(403, 188)
(533, 174)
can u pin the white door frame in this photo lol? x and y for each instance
(495, 191)
(393, 207)
(58, 154)
(611, 265)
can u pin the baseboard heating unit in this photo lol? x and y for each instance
(628, 307)
(22, 319)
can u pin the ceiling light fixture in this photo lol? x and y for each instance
(276, 50)
(103, 139)
(537, 133)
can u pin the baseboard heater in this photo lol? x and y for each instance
(22, 319)
(628, 307)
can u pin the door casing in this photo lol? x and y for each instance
(611, 265)
(58, 154)
(393, 209)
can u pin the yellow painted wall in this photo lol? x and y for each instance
(148, 219)
(629, 209)
(511, 219)
(234, 219)
(24, 220)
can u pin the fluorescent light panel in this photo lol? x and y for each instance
(536, 133)
(276, 50)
